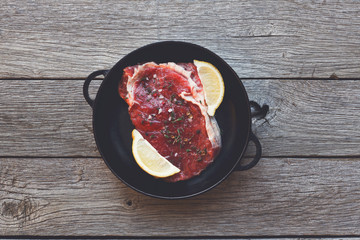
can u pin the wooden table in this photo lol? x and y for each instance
(302, 58)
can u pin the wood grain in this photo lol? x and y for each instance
(81, 197)
(218, 238)
(306, 118)
(281, 39)
(54, 183)
(45, 118)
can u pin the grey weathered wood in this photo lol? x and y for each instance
(216, 238)
(306, 118)
(212, 238)
(45, 118)
(289, 193)
(279, 197)
(69, 39)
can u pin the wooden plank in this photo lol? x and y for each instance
(45, 118)
(283, 39)
(306, 118)
(279, 197)
(204, 238)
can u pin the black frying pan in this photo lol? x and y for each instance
(112, 125)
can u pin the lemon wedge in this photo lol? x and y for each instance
(149, 159)
(213, 84)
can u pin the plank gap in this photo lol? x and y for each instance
(289, 237)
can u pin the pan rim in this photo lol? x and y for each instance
(184, 196)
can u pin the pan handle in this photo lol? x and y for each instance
(257, 157)
(256, 112)
(91, 77)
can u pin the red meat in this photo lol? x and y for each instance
(167, 106)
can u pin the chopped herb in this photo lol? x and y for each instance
(191, 137)
(172, 97)
(198, 131)
(176, 139)
(170, 85)
(126, 97)
(166, 136)
(199, 159)
(152, 136)
(142, 122)
(146, 134)
(205, 150)
(188, 150)
(172, 115)
(179, 102)
(179, 119)
(200, 102)
(148, 90)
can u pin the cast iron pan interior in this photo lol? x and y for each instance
(112, 124)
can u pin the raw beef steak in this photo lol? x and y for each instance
(167, 106)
